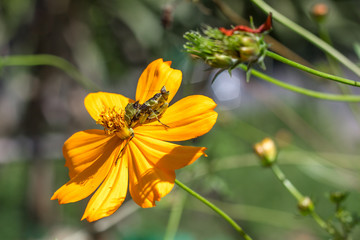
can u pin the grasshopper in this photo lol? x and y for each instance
(153, 108)
(149, 111)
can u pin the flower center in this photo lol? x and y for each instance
(113, 121)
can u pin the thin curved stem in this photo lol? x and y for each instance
(309, 36)
(312, 71)
(215, 208)
(287, 184)
(50, 60)
(319, 220)
(175, 216)
(335, 67)
(307, 92)
(296, 194)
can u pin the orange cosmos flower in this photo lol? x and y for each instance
(134, 154)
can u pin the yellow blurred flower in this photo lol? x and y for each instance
(108, 161)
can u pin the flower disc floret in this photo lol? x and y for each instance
(113, 121)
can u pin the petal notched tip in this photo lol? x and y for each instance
(157, 75)
(53, 197)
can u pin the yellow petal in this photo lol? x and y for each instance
(167, 155)
(95, 102)
(112, 192)
(85, 182)
(147, 183)
(155, 76)
(188, 118)
(83, 148)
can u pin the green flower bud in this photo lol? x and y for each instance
(221, 50)
(249, 47)
(338, 197)
(248, 41)
(248, 54)
(220, 61)
(266, 150)
(305, 206)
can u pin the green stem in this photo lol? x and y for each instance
(312, 71)
(50, 60)
(175, 216)
(309, 36)
(311, 93)
(299, 197)
(324, 35)
(287, 184)
(215, 208)
(319, 220)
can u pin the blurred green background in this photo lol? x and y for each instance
(111, 42)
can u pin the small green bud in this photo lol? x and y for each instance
(248, 41)
(220, 61)
(267, 152)
(346, 217)
(248, 54)
(305, 206)
(338, 197)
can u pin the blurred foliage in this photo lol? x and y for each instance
(111, 42)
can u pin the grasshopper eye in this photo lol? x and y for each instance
(163, 91)
(136, 105)
(165, 94)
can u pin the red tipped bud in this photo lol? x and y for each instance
(319, 11)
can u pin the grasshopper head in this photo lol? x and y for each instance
(131, 110)
(165, 94)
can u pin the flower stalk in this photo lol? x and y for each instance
(309, 36)
(175, 216)
(319, 13)
(286, 182)
(312, 71)
(305, 204)
(49, 60)
(304, 91)
(215, 208)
